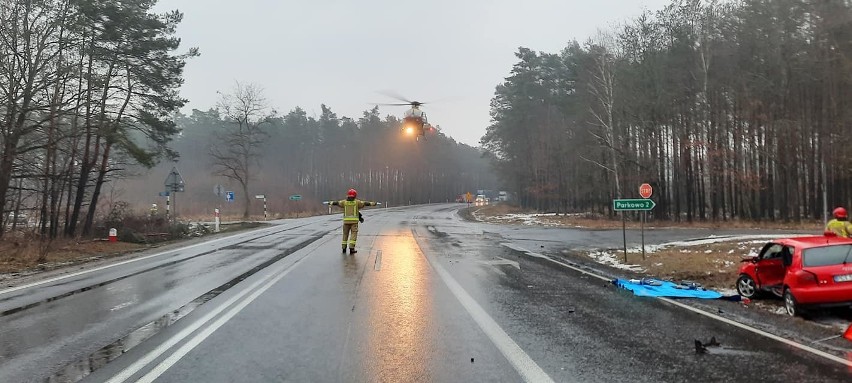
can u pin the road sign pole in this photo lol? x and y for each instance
(264, 208)
(643, 234)
(168, 208)
(216, 220)
(624, 234)
(645, 191)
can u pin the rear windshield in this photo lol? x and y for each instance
(828, 255)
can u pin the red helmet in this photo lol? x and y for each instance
(840, 213)
(354, 193)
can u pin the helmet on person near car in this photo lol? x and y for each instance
(352, 193)
(840, 213)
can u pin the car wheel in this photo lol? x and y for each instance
(790, 304)
(746, 286)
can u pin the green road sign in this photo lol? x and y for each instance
(632, 204)
(295, 197)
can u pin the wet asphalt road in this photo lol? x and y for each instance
(428, 297)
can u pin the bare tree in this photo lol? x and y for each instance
(602, 88)
(237, 148)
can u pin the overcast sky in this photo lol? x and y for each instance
(343, 53)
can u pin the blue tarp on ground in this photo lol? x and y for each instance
(666, 289)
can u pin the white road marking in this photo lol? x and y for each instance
(743, 326)
(200, 337)
(61, 277)
(123, 305)
(269, 280)
(378, 264)
(523, 364)
(786, 341)
(542, 256)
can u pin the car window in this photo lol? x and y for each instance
(827, 255)
(771, 251)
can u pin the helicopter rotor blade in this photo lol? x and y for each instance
(404, 99)
(396, 96)
(393, 104)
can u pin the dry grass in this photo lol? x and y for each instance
(21, 254)
(493, 213)
(714, 265)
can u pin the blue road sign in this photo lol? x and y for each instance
(229, 195)
(164, 194)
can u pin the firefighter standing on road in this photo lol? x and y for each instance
(351, 217)
(840, 224)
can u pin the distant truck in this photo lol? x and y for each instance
(503, 196)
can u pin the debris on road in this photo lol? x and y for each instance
(701, 348)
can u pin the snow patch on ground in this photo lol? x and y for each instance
(743, 240)
(611, 259)
(526, 219)
(780, 311)
(727, 292)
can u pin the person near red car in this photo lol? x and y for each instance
(840, 224)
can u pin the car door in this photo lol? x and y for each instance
(770, 268)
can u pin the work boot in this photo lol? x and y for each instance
(344, 249)
(352, 250)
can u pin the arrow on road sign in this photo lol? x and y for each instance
(229, 196)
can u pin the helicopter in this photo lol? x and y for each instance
(415, 122)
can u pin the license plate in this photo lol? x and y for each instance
(843, 278)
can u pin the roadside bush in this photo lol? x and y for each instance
(143, 228)
(178, 230)
(131, 236)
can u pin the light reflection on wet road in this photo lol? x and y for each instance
(400, 311)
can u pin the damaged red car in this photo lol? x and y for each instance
(807, 272)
